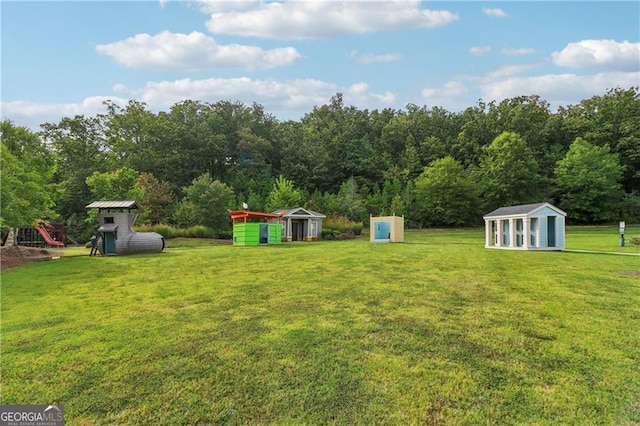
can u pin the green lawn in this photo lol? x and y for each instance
(438, 330)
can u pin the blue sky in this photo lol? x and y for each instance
(65, 58)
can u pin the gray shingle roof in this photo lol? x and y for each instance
(113, 205)
(514, 210)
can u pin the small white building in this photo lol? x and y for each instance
(301, 224)
(538, 226)
(116, 235)
(386, 229)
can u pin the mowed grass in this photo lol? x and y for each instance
(438, 330)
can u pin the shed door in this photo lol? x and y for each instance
(264, 233)
(109, 243)
(551, 231)
(382, 231)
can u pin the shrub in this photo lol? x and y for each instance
(340, 228)
(343, 225)
(197, 231)
(328, 234)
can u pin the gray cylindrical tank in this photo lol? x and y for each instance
(140, 242)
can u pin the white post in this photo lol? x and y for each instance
(487, 233)
(512, 232)
(525, 233)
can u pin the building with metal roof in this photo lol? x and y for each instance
(115, 234)
(539, 226)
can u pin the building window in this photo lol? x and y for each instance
(519, 233)
(505, 233)
(494, 233)
(313, 231)
(534, 232)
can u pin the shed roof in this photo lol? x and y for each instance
(113, 205)
(299, 212)
(249, 215)
(522, 209)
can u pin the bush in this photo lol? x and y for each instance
(197, 231)
(342, 225)
(328, 234)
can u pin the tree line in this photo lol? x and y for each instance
(187, 165)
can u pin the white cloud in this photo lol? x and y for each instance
(192, 52)
(610, 54)
(518, 51)
(509, 70)
(289, 99)
(32, 114)
(370, 58)
(290, 20)
(449, 89)
(495, 12)
(359, 94)
(277, 97)
(559, 89)
(480, 50)
(451, 96)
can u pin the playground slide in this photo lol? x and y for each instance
(47, 238)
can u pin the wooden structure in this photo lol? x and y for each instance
(301, 224)
(539, 226)
(43, 235)
(255, 228)
(386, 229)
(115, 235)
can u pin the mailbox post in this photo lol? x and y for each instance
(622, 233)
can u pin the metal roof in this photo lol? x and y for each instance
(249, 215)
(113, 205)
(520, 210)
(300, 213)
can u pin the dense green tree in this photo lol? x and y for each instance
(478, 131)
(588, 183)
(336, 146)
(25, 192)
(614, 120)
(350, 202)
(284, 195)
(132, 135)
(121, 184)
(205, 203)
(157, 199)
(445, 195)
(80, 149)
(508, 173)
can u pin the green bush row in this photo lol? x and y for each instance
(197, 231)
(341, 225)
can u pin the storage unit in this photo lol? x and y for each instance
(301, 224)
(386, 229)
(255, 228)
(115, 234)
(539, 226)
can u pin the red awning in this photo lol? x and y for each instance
(245, 215)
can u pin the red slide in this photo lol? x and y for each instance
(47, 238)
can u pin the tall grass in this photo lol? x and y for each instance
(437, 330)
(168, 231)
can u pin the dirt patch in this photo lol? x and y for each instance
(12, 256)
(634, 273)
